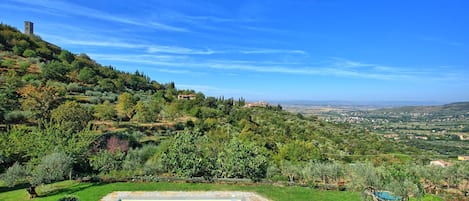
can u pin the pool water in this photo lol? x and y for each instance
(386, 196)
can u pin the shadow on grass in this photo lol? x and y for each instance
(16, 187)
(69, 189)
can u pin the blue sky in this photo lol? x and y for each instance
(357, 50)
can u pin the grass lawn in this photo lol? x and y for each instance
(95, 191)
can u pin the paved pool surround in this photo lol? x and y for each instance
(183, 196)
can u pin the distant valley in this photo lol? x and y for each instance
(443, 129)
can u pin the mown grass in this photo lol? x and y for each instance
(95, 191)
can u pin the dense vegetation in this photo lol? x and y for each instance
(65, 116)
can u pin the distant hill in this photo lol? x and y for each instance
(452, 108)
(367, 104)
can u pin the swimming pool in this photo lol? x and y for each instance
(183, 196)
(384, 195)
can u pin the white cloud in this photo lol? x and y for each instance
(74, 9)
(272, 51)
(328, 68)
(177, 50)
(217, 91)
(175, 71)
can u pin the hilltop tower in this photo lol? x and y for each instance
(28, 28)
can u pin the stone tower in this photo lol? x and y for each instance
(28, 28)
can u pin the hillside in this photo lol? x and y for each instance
(41, 80)
(96, 120)
(449, 109)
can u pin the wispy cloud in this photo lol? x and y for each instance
(144, 47)
(217, 91)
(272, 51)
(327, 68)
(175, 71)
(74, 9)
(30, 9)
(177, 50)
(147, 47)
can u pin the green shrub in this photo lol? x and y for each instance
(33, 60)
(18, 50)
(93, 93)
(105, 161)
(16, 116)
(87, 75)
(75, 87)
(66, 56)
(29, 53)
(14, 175)
(6, 53)
(109, 97)
(274, 173)
(105, 111)
(95, 100)
(69, 198)
(24, 65)
(54, 71)
(30, 77)
(8, 63)
(135, 158)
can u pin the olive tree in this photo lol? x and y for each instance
(14, 174)
(242, 160)
(186, 156)
(53, 167)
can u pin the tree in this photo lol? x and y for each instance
(14, 174)
(29, 53)
(186, 156)
(87, 75)
(14, 145)
(20, 47)
(115, 144)
(72, 115)
(142, 113)
(9, 82)
(298, 151)
(326, 171)
(242, 160)
(105, 111)
(290, 170)
(107, 84)
(125, 106)
(40, 141)
(53, 167)
(54, 70)
(403, 188)
(147, 111)
(39, 100)
(106, 161)
(66, 56)
(363, 175)
(136, 158)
